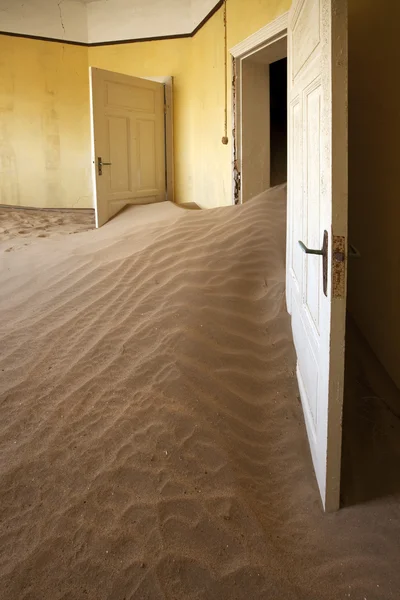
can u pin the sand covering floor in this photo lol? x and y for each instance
(19, 227)
(152, 444)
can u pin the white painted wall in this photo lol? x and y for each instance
(65, 19)
(102, 20)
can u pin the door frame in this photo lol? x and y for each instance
(264, 37)
(168, 82)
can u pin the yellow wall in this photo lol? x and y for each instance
(211, 171)
(248, 16)
(374, 205)
(44, 109)
(44, 124)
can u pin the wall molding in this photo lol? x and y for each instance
(208, 17)
(265, 34)
(177, 36)
(12, 207)
(263, 38)
(40, 38)
(168, 82)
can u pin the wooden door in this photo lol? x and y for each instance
(129, 142)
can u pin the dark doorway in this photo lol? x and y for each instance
(278, 116)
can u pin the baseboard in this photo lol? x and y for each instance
(45, 209)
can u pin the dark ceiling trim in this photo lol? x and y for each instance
(41, 38)
(208, 17)
(178, 36)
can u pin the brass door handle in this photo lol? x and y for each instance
(101, 164)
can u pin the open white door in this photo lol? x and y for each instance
(317, 217)
(129, 142)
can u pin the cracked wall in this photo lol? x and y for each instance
(59, 19)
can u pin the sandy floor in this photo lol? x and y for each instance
(151, 439)
(20, 227)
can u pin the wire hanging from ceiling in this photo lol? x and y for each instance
(225, 138)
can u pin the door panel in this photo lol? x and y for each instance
(312, 225)
(147, 149)
(317, 202)
(305, 32)
(129, 136)
(130, 97)
(120, 154)
(294, 265)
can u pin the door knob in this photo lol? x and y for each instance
(324, 253)
(101, 164)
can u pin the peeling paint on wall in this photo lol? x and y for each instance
(44, 124)
(9, 188)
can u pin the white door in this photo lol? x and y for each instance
(129, 142)
(317, 217)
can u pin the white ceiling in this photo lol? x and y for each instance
(102, 20)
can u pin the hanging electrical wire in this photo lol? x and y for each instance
(225, 139)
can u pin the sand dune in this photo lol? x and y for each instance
(152, 444)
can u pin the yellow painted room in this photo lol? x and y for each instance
(199, 288)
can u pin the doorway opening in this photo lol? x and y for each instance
(260, 106)
(278, 120)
